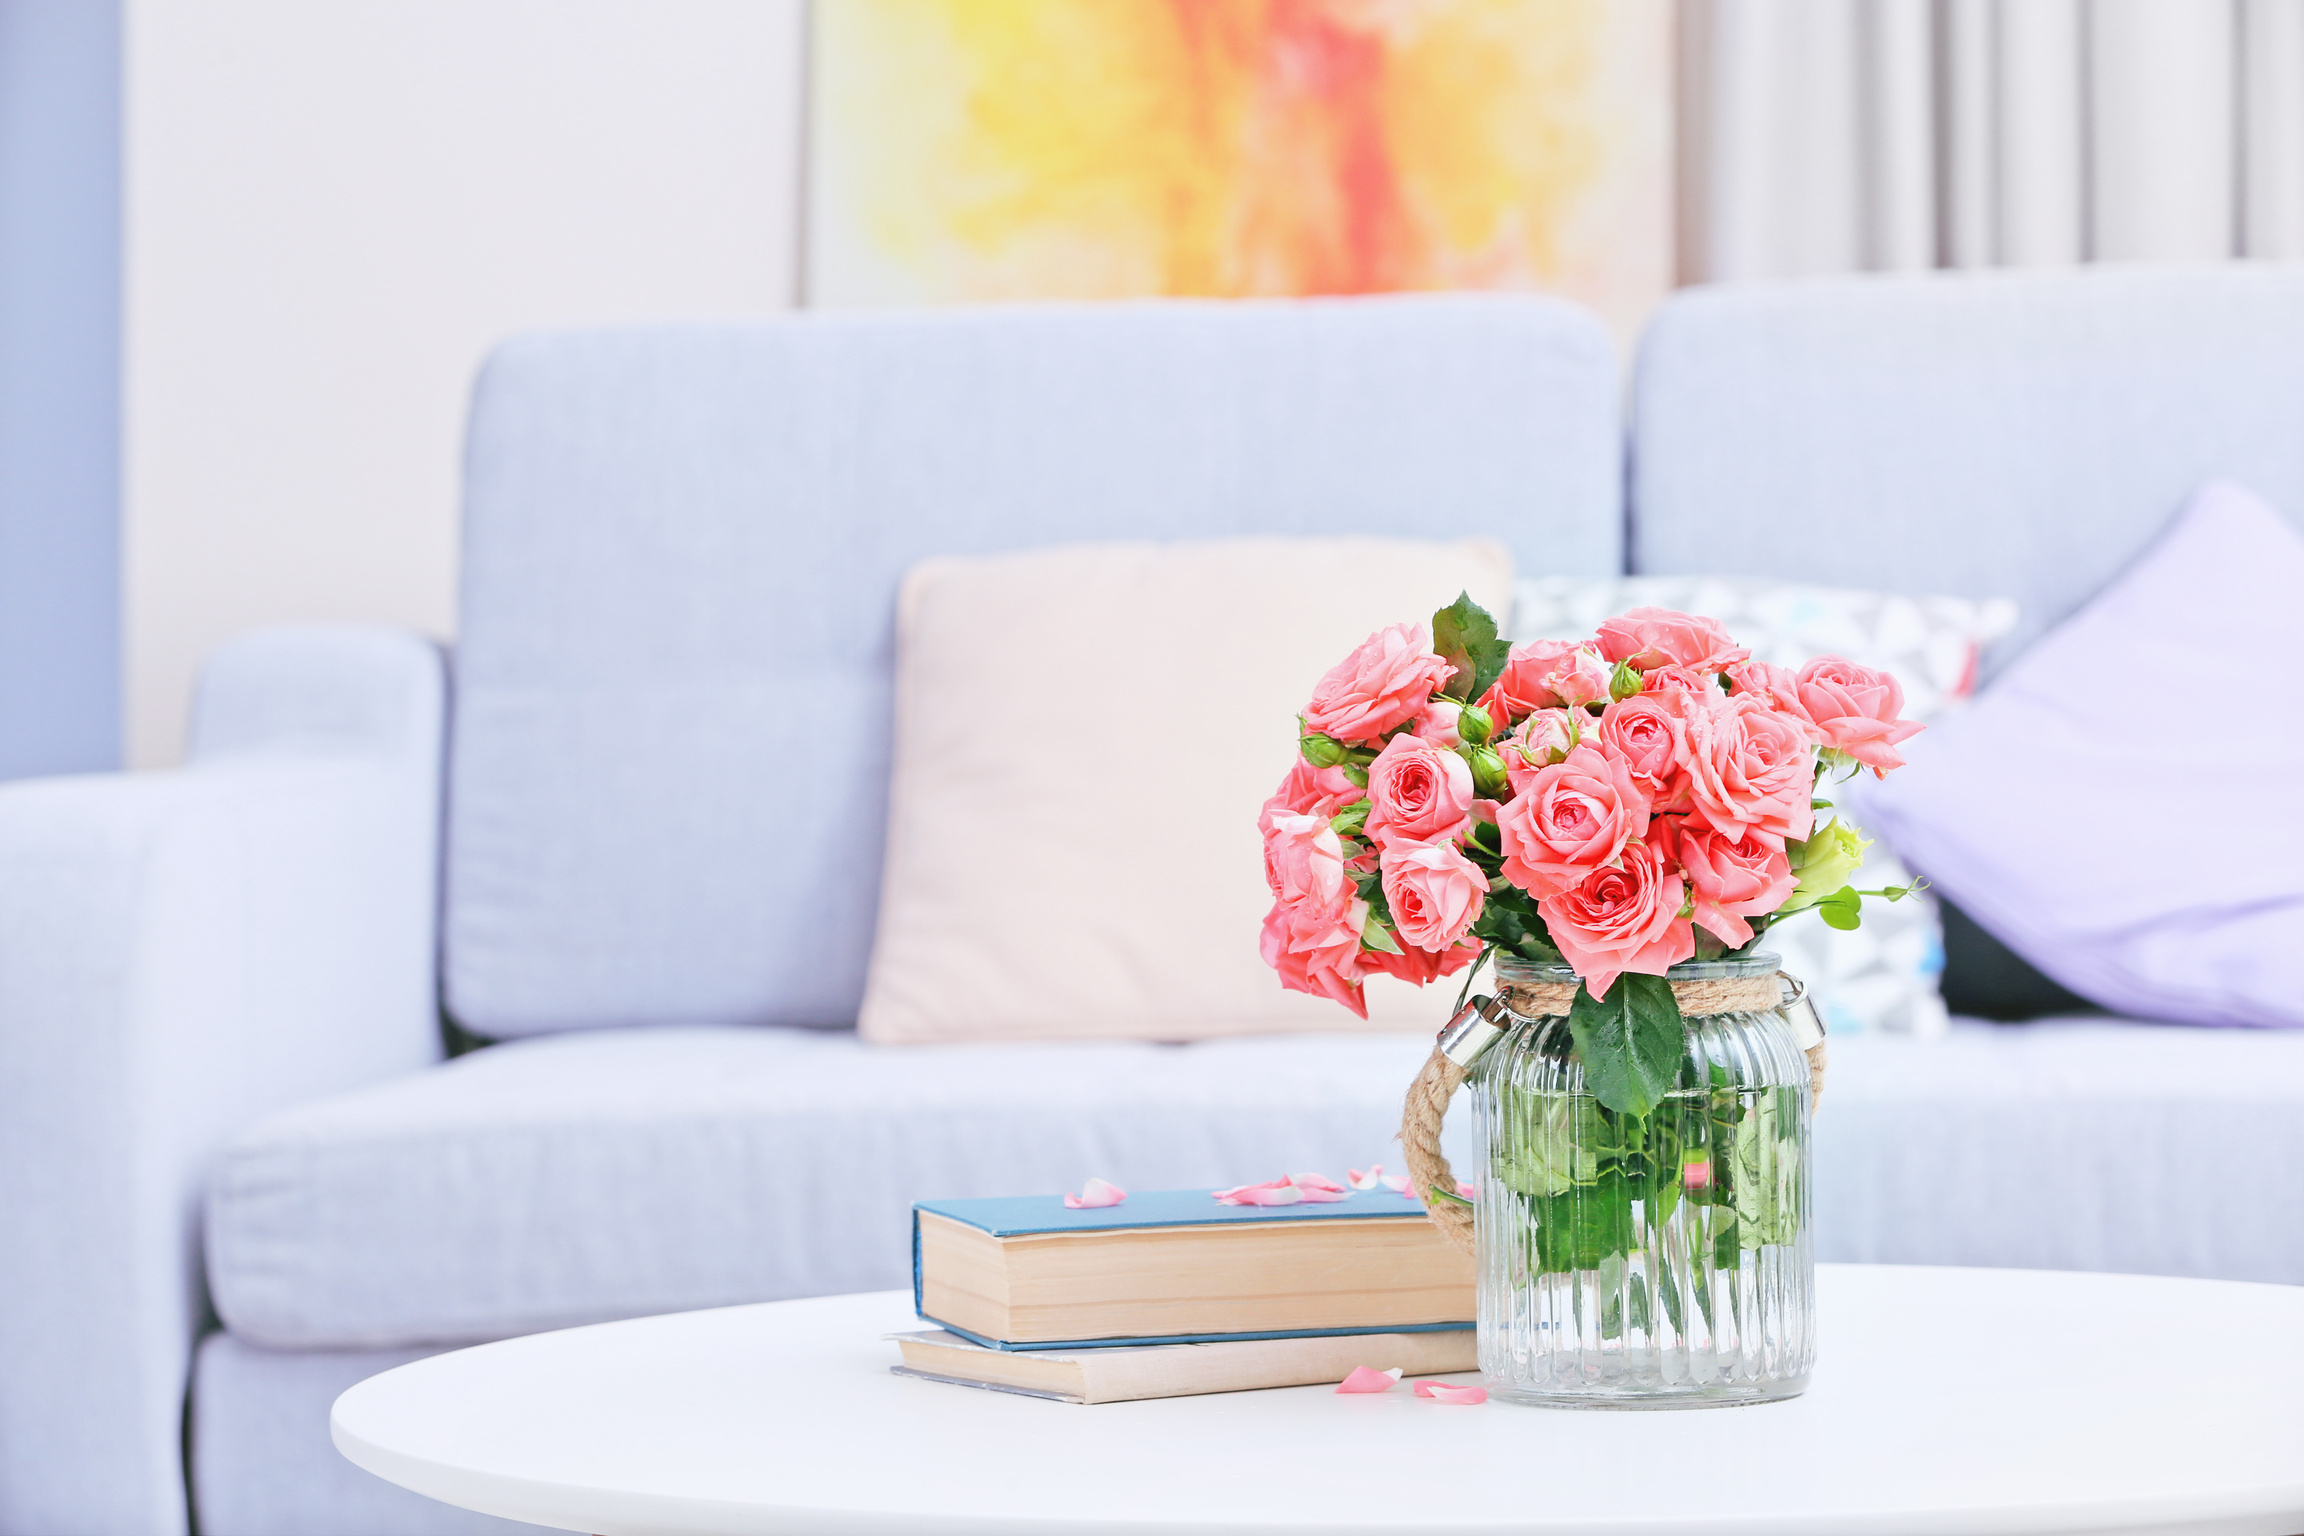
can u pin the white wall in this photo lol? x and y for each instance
(333, 209)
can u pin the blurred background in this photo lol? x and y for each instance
(253, 251)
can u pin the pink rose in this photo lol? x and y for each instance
(1318, 953)
(1544, 674)
(1419, 966)
(1650, 732)
(1436, 723)
(1573, 817)
(1622, 919)
(1581, 678)
(1435, 893)
(1856, 710)
(1731, 880)
(1417, 792)
(1312, 934)
(1309, 791)
(1519, 687)
(1676, 680)
(1751, 769)
(1778, 686)
(1304, 861)
(1380, 685)
(1648, 638)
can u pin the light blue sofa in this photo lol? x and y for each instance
(638, 840)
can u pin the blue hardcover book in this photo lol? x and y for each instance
(1174, 1267)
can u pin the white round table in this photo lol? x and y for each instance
(1944, 1400)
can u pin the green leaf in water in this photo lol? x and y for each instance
(1630, 1042)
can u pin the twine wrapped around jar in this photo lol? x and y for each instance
(1436, 1084)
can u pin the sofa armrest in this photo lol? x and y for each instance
(180, 954)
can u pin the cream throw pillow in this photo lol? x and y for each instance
(1084, 737)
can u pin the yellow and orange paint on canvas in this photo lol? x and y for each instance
(1041, 149)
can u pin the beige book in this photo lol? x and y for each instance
(1133, 1284)
(1127, 1373)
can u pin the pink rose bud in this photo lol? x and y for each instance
(1437, 722)
(1581, 678)
(1549, 735)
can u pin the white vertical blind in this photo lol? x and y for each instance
(1966, 203)
(1829, 135)
(2161, 110)
(2272, 134)
(2039, 201)
(1783, 124)
(1900, 167)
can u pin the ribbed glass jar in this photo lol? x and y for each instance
(1661, 1262)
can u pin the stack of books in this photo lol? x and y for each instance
(1171, 1293)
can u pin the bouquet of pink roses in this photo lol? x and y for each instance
(1620, 804)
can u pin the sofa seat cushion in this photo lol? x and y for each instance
(577, 1178)
(2075, 1143)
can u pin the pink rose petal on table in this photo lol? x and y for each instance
(1270, 1192)
(1442, 1392)
(1317, 1188)
(1094, 1195)
(1363, 1379)
(1369, 1180)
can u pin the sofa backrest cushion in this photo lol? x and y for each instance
(1994, 435)
(681, 552)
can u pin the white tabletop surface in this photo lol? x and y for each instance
(1944, 1400)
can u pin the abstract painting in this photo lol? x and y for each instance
(973, 150)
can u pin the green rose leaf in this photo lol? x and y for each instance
(1630, 1042)
(1843, 909)
(1465, 636)
(1377, 934)
(1510, 920)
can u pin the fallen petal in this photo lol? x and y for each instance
(1368, 1180)
(1309, 1182)
(1396, 1182)
(1442, 1392)
(1095, 1194)
(1245, 1194)
(1363, 1379)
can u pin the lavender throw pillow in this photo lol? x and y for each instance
(2155, 863)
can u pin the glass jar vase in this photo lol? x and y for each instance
(1654, 1262)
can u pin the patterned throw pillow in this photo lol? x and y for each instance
(1881, 977)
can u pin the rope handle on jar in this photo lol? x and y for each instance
(1478, 1025)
